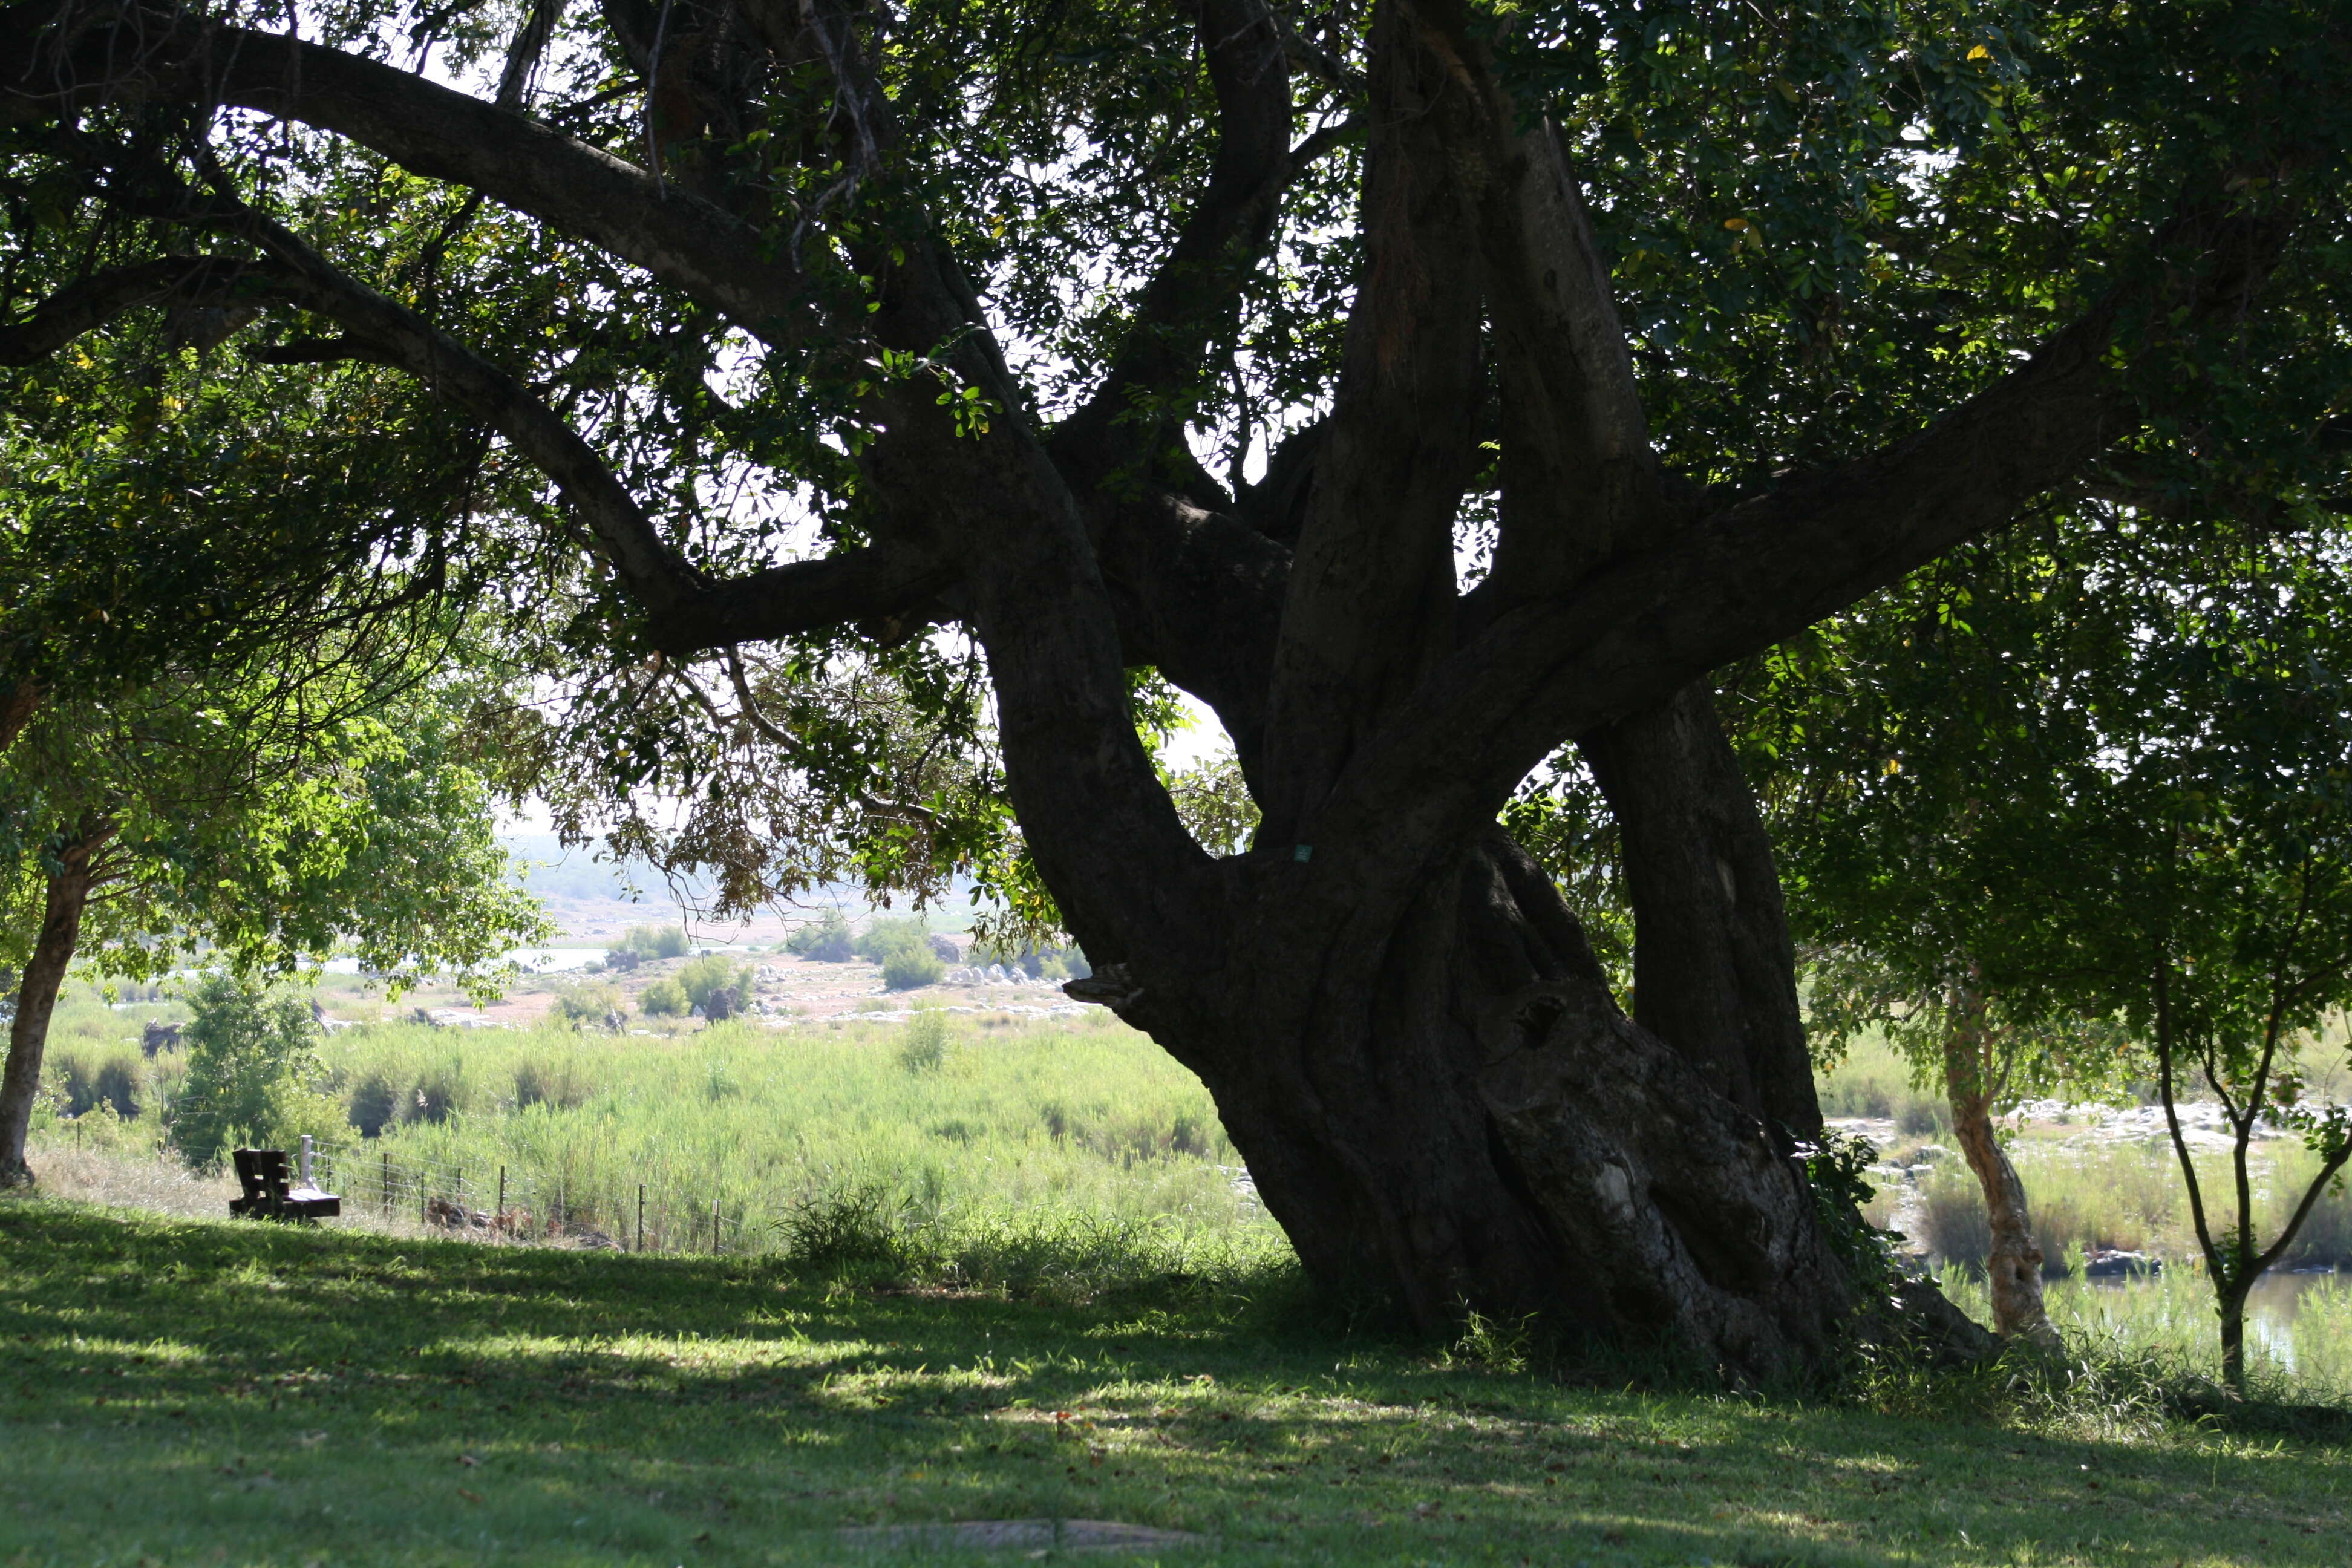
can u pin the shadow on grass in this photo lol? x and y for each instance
(283, 1395)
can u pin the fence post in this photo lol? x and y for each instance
(387, 1183)
(641, 1217)
(502, 1195)
(714, 1227)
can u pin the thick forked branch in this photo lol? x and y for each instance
(1199, 593)
(567, 184)
(1579, 475)
(1371, 596)
(1766, 568)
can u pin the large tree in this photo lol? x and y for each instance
(1687, 325)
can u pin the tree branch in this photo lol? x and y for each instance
(580, 189)
(1673, 608)
(1578, 475)
(523, 54)
(95, 301)
(1197, 289)
(1371, 594)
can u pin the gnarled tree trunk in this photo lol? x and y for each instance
(69, 884)
(1454, 1116)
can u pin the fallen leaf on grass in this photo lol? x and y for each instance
(469, 1496)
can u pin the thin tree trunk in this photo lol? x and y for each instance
(2233, 1339)
(18, 702)
(70, 885)
(1714, 968)
(2013, 1265)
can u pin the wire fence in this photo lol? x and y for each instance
(382, 1187)
(504, 1202)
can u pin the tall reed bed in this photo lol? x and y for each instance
(2127, 1196)
(935, 1121)
(2299, 1329)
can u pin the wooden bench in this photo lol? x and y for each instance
(263, 1174)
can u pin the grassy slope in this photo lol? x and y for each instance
(177, 1392)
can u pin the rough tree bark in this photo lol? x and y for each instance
(1400, 1019)
(1714, 967)
(1447, 1111)
(70, 881)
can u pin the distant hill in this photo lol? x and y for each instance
(551, 871)
(597, 898)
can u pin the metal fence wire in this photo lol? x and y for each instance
(498, 1201)
(508, 1203)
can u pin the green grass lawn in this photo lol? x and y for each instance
(174, 1392)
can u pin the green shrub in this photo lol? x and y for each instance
(828, 941)
(585, 1005)
(708, 978)
(70, 1081)
(863, 1227)
(1921, 1117)
(117, 1086)
(905, 968)
(924, 1046)
(439, 1094)
(374, 1105)
(83, 1086)
(248, 1056)
(884, 937)
(663, 999)
(561, 1088)
(652, 943)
